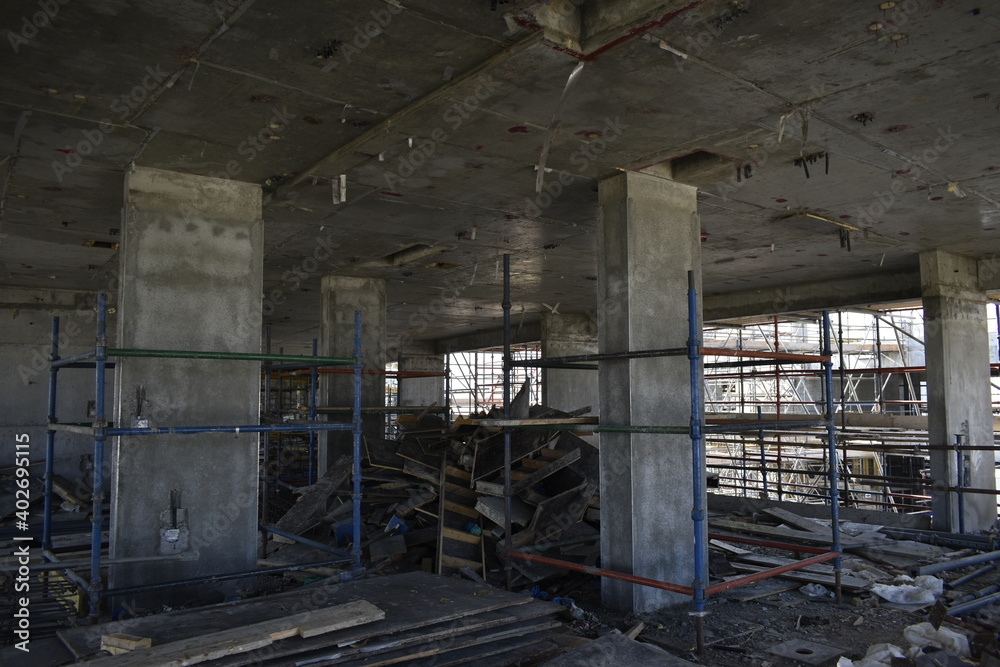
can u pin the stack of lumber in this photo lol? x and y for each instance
(415, 619)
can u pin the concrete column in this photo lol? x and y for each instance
(191, 279)
(956, 337)
(422, 391)
(342, 296)
(567, 335)
(648, 241)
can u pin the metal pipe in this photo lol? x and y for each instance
(969, 577)
(600, 572)
(229, 356)
(959, 482)
(356, 428)
(56, 564)
(72, 360)
(507, 365)
(100, 428)
(972, 605)
(306, 541)
(697, 465)
(603, 356)
(831, 439)
(957, 563)
(313, 382)
(781, 425)
(50, 436)
(221, 577)
(247, 428)
(760, 354)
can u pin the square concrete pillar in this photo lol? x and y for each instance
(565, 335)
(342, 296)
(649, 239)
(956, 341)
(191, 279)
(422, 390)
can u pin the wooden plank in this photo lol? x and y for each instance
(459, 508)
(458, 473)
(489, 456)
(410, 600)
(302, 515)
(463, 648)
(849, 583)
(796, 521)
(729, 548)
(456, 563)
(550, 469)
(215, 645)
(781, 534)
(761, 589)
(560, 512)
(461, 536)
(396, 641)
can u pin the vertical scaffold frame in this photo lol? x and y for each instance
(101, 430)
(699, 590)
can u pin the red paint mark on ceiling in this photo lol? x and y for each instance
(66, 150)
(518, 129)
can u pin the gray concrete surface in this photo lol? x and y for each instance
(648, 243)
(568, 335)
(341, 297)
(191, 280)
(958, 387)
(422, 391)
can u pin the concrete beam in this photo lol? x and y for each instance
(876, 288)
(528, 333)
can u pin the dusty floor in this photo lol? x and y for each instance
(741, 633)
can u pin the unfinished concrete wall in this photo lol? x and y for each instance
(648, 241)
(418, 390)
(191, 279)
(25, 332)
(568, 335)
(342, 296)
(957, 343)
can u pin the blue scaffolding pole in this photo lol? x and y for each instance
(102, 431)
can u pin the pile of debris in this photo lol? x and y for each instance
(434, 500)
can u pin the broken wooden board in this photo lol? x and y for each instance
(212, 646)
(489, 456)
(410, 600)
(559, 512)
(546, 470)
(491, 507)
(303, 514)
